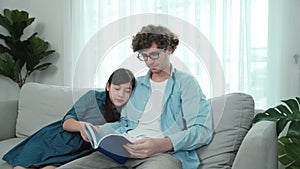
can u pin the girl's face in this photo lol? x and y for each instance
(119, 94)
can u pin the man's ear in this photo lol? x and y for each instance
(169, 50)
(107, 86)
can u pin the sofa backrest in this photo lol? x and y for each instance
(41, 104)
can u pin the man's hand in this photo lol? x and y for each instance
(147, 147)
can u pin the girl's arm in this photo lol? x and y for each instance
(73, 125)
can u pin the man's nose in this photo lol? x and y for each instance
(150, 60)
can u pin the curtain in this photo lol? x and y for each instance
(224, 44)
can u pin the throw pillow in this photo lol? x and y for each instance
(232, 115)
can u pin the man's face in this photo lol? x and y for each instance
(159, 64)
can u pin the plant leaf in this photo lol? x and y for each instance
(37, 51)
(46, 53)
(8, 67)
(289, 151)
(282, 114)
(293, 151)
(298, 99)
(5, 22)
(16, 48)
(270, 115)
(281, 125)
(283, 110)
(43, 66)
(294, 128)
(3, 49)
(294, 106)
(15, 22)
(38, 46)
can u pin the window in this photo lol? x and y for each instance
(237, 30)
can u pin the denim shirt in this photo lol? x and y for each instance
(186, 118)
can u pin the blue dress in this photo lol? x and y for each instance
(52, 145)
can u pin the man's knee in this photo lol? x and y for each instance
(94, 160)
(165, 161)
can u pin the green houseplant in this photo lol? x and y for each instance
(287, 118)
(19, 56)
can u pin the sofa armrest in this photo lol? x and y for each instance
(8, 116)
(259, 148)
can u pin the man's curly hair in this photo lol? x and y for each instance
(159, 35)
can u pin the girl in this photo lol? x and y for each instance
(65, 140)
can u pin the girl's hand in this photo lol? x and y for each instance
(82, 132)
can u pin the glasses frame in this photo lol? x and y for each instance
(144, 57)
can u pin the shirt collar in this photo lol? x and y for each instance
(146, 80)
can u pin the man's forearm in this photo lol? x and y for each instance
(165, 145)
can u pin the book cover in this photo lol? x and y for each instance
(111, 145)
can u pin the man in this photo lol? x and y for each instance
(167, 111)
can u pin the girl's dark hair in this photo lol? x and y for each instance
(119, 76)
(160, 35)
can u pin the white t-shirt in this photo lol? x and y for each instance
(149, 123)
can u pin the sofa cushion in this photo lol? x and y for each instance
(41, 104)
(232, 115)
(8, 113)
(5, 146)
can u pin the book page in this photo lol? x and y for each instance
(93, 135)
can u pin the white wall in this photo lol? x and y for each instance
(291, 47)
(49, 25)
(284, 43)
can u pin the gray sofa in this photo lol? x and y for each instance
(237, 144)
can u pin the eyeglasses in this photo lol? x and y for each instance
(153, 55)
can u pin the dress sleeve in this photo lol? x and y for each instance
(70, 114)
(87, 108)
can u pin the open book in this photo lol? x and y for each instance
(111, 145)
